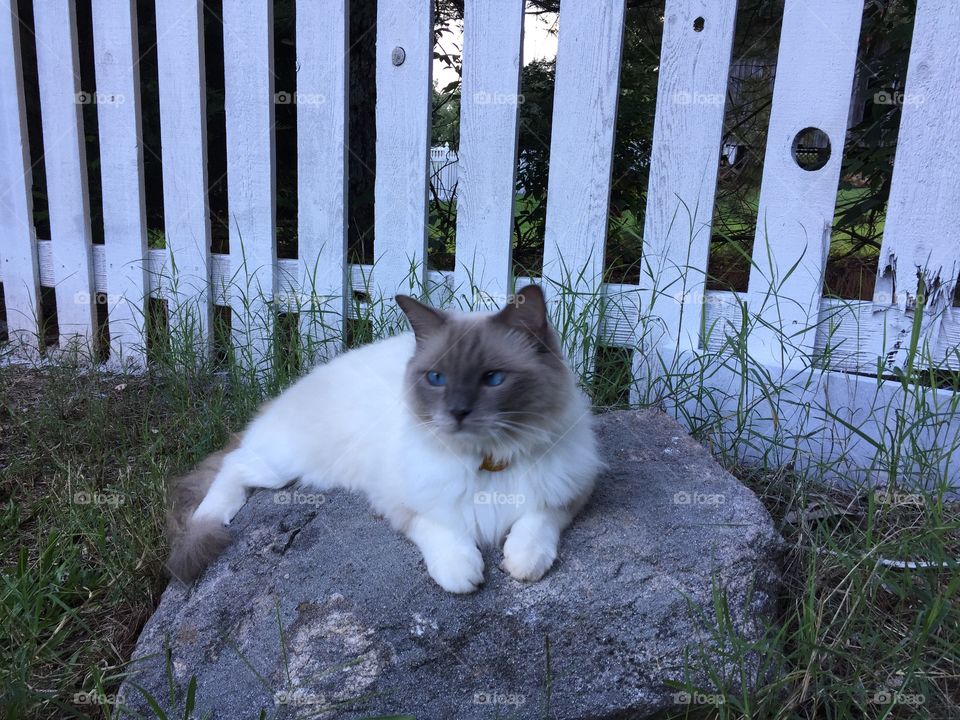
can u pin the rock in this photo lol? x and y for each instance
(319, 605)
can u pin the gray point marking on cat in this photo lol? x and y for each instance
(364, 625)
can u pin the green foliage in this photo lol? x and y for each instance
(868, 150)
(871, 144)
(80, 573)
(87, 453)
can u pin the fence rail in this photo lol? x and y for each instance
(667, 316)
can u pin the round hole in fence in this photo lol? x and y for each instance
(698, 24)
(811, 148)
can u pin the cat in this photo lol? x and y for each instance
(471, 430)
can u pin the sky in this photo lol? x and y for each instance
(539, 41)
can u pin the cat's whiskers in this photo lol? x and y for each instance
(519, 429)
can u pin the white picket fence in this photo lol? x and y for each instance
(443, 172)
(814, 79)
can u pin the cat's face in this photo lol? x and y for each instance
(488, 380)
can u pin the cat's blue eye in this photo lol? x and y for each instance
(437, 379)
(493, 378)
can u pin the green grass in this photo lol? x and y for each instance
(85, 455)
(861, 636)
(850, 267)
(85, 458)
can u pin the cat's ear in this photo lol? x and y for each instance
(527, 310)
(424, 319)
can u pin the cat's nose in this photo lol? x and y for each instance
(459, 413)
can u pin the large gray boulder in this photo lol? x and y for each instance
(318, 605)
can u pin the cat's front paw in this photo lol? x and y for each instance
(527, 558)
(457, 569)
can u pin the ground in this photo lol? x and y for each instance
(85, 457)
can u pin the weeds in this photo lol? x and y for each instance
(868, 623)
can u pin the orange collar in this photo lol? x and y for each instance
(491, 465)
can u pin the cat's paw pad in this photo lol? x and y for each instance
(527, 559)
(458, 569)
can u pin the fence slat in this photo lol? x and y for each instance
(404, 36)
(923, 214)
(581, 146)
(688, 131)
(815, 69)
(19, 264)
(322, 112)
(116, 58)
(66, 168)
(493, 36)
(182, 86)
(251, 177)
(581, 158)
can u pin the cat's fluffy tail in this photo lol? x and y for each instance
(195, 543)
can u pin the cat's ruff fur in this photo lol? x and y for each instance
(369, 421)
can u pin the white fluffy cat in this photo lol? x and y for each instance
(469, 431)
